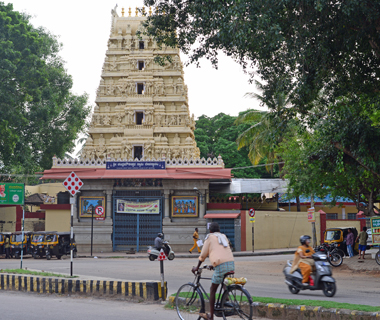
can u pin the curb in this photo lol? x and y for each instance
(137, 290)
(281, 311)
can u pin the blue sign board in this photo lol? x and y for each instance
(135, 165)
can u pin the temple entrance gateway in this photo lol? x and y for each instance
(137, 217)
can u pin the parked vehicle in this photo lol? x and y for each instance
(334, 255)
(58, 244)
(154, 252)
(338, 236)
(3, 236)
(321, 279)
(18, 243)
(38, 244)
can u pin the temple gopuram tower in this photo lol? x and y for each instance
(142, 109)
(140, 166)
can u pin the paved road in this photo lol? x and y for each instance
(264, 275)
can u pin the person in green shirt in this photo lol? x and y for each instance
(362, 238)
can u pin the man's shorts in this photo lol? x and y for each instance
(221, 270)
(362, 247)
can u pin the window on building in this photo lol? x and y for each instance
(351, 216)
(331, 216)
(140, 88)
(141, 65)
(137, 152)
(141, 45)
(139, 117)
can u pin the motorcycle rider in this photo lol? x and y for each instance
(158, 242)
(303, 259)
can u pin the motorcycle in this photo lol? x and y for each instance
(154, 252)
(321, 279)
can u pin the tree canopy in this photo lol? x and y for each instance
(217, 136)
(39, 116)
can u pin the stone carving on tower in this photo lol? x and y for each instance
(142, 109)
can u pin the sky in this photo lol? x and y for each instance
(83, 28)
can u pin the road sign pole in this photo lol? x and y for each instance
(22, 233)
(92, 227)
(72, 201)
(162, 280)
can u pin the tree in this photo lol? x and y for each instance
(314, 50)
(314, 165)
(39, 116)
(217, 135)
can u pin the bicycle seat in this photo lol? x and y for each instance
(229, 273)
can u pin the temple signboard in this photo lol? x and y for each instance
(135, 165)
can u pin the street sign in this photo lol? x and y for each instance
(252, 219)
(11, 193)
(310, 215)
(99, 210)
(252, 212)
(73, 183)
(162, 256)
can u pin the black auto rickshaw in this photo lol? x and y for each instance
(38, 244)
(58, 244)
(338, 236)
(18, 243)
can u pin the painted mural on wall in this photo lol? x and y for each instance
(134, 207)
(87, 204)
(185, 206)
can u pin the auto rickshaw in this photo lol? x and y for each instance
(38, 244)
(3, 236)
(18, 243)
(338, 236)
(58, 244)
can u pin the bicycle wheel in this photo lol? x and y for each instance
(340, 252)
(189, 302)
(236, 303)
(377, 257)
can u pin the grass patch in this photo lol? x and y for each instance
(35, 273)
(316, 303)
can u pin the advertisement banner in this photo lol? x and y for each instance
(144, 207)
(11, 193)
(311, 215)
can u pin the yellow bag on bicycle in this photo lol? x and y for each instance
(228, 281)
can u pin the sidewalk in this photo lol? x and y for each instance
(122, 254)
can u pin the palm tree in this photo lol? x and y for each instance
(261, 137)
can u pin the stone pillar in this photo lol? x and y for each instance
(166, 219)
(202, 203)
(108, 205)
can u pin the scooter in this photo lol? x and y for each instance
(321, 279)
(153, 252)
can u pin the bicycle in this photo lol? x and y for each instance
(377, 256)
(233, 301)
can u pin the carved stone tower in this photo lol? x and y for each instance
(141, 108)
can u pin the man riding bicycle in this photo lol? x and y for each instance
(216, 247)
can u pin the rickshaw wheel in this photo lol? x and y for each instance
(48, 257)
(17, 256)
(59, 257)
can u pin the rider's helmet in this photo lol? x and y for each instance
(160, 235)
(304, 238)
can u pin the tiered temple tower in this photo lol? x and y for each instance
(142, 109)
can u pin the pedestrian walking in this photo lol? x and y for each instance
(195, 239)
(350, 240)
(7, 248)
(362, 238)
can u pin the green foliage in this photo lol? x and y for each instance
(217, 136)
(39, 116)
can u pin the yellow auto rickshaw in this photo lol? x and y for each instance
(3, 236)
(338, 236)
(58, 244)
(38, 244)
(18, 243)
